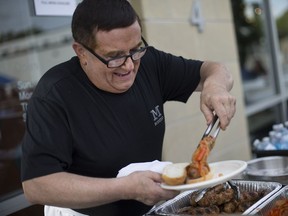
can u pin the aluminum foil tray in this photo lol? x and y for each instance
(266, 206)
(172, 206)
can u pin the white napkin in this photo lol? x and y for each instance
(155, 166)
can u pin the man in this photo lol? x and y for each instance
(102, 110)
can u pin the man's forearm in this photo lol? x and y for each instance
(73, 191)
(213, 73)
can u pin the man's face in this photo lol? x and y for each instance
(112, 44)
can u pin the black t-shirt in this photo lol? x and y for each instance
(75, 127)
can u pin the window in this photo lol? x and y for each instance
(254, 50)
(29, 45)
(262, 34)
(279, 9)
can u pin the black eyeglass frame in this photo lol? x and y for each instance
(106, 62)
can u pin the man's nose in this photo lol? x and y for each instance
(129, 63)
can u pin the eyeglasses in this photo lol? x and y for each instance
(119, 61)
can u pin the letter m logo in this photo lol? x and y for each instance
(156, 113)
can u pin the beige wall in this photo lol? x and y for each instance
(166, 26)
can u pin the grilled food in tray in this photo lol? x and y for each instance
(220, 200)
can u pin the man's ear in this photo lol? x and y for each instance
(78, 49)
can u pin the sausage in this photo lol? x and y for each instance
(230, 207)
(212, 210)
(210, 192)
(217, 199)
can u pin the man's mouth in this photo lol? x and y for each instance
(122, 74)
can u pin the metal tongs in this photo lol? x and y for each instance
(209, 129)
(200, 194)
(235, 188)
(203, 191)
(207, 132)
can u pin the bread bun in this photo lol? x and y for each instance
(204, 178)
(175, 173)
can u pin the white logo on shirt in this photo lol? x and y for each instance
(157, 115)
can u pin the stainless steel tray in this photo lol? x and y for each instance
(172, 206)
(268, 169)
(266, 206)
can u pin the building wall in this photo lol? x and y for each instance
(166, 26)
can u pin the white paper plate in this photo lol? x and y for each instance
(222, 171)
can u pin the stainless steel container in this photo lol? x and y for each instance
(171, 207)
(274, 168)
